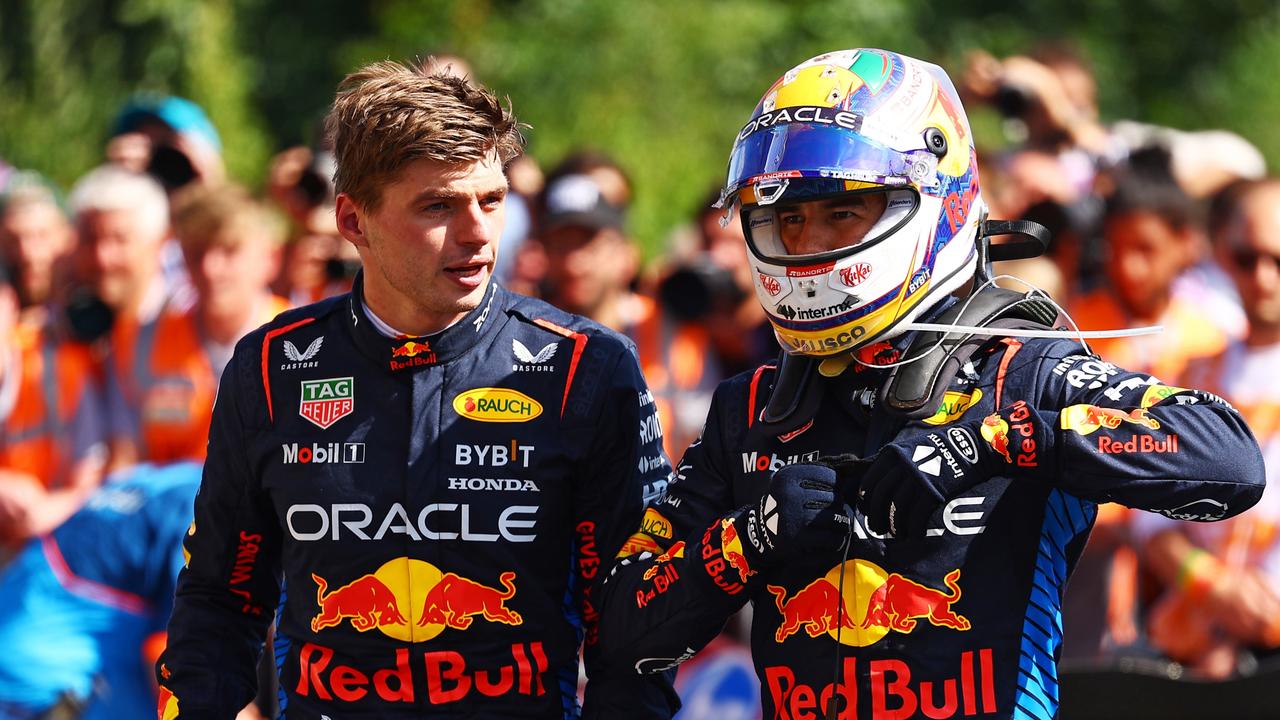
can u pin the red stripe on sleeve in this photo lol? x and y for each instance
(579, 344)
(266, 352)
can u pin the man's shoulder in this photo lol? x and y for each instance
(290, 320)
(535, 313)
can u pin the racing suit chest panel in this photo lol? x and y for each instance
(909, 604)
(442, 491)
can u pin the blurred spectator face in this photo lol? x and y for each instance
(231, 248)
(1251, 255)
(1144, 255)
(123, 219)
(123, 253)
(34, 235)
(588, 258)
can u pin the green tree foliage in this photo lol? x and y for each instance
(67, 67)
(662, 85)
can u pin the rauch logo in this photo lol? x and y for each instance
(496, 405)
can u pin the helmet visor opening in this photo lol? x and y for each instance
(825, 226)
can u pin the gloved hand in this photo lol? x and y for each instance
(901, 487)
(803, 509)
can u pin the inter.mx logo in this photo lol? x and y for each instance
(325, 402)
(323, 453)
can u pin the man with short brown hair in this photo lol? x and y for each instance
(434, 465)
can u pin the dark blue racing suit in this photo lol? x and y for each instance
(963, 620)
(439, 509)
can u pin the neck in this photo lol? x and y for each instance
(403, 314)
(225, 328)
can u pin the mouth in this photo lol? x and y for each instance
(467, 273)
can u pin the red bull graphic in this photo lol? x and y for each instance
(895, 691)
(1086, 419)
(365, 601)
(443, 674)
(167, 707)
(996, 432)
(818, 607)
(874, 603)
(900, 601)
(675, 551)
(731, 549)
(413, 353)
(385, 600)
(412, 348)
(455, 601)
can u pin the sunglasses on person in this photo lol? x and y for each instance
(1247, 259)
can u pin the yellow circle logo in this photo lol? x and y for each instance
(496, 405)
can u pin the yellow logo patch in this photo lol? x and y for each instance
(496, 405)
(954, 404)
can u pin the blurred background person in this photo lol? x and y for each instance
(122, 219)
(52, 429)
(1220, 610)
(170, 138)
(1151, 233)
(86, 605)
(35, 240)
(231, 246)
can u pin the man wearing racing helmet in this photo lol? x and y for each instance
(973, 439)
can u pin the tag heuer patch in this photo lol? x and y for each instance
(325, 402)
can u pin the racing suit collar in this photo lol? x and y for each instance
(407, 353)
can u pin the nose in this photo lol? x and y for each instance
(475, 225)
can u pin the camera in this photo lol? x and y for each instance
(1013, 101)
(693, 290)
(170, 167)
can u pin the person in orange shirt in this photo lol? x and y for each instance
(231, 247)
(51, 425)
(1151, 232)
(1223, 581)
(35, 236)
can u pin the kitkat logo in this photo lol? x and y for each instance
(853, 275)
(496, 405)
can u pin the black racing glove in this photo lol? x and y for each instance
(803, 509)
(900, 488)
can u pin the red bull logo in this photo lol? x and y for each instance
(167, 708)
(1086, 419)
(896, 693)
(443, 674)
(382, 600)
(731, 549)
(455, 601)
(412, 348)
(996, 432)
(413, 353)
(874, 603)
(675, 551)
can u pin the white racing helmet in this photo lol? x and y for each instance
(858, 121)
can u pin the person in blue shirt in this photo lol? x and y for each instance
(80, 602)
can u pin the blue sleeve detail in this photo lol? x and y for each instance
(1065, 518)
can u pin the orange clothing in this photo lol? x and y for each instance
(682, 373)
(173, 385)
(1189, 334)
(47, 394)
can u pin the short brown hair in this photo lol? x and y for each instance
(206, 216)
(387, 115)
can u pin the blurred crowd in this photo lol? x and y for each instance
(121, 300)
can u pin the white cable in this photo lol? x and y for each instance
(1034, 294)
(1019, 332)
